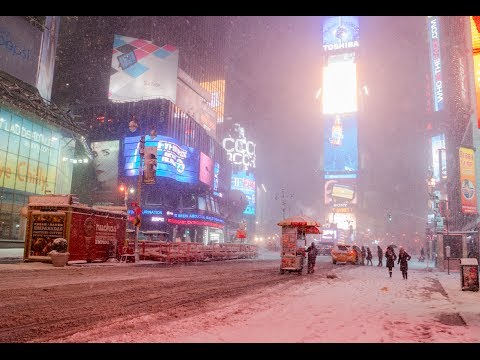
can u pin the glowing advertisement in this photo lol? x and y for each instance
(340, 192)
(141, 70)
(343, 221)
(206, 170)
(340, 146)
(435, 61)
(217, 102)
(341, 32)
(439, 158)
(178, 162)
(240, 151)
(216, 174)
(467, 180)
(34, 158)
(339, 89)
(246, 184)
(105, 160)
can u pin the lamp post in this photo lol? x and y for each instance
(141, 153)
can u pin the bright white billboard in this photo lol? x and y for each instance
(142, 70)
(340, 88)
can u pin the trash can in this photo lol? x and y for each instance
(469, 274)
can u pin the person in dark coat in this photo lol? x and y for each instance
(312, 257)
(403, 259)
(380, 255)
(369, 256)
(390, 257)
(364, 254)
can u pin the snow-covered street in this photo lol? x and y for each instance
(229, 301)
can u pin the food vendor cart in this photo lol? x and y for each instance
(294, 242)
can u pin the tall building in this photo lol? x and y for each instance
(124, 113)
(37, 139)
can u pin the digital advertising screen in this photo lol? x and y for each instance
(178, 162)
(105, 159)
(246, 184)
(339, 89)
(344, 221)
(340, 144)
(142, 70)
(435, 61)
(34, 158)
(206, 170)
(439, 157)
(216, 176)
(341, 32)
(217, 102)
(468, 180)
(340, 192)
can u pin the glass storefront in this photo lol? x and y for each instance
(35, 158)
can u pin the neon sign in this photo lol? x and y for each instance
(435, 61)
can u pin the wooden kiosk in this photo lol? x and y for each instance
(91, 233)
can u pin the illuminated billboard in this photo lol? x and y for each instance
(245, 182)
(178, 162)
(206, 170)
(105, 160)
(344, 221)
(340, 192)
(339, 89)
(340, 145)
(216, 176)
(435, 61)
(240, 151)
(467, 180)
(34, 158)
(340, 32)
(439, 158)
(217, 89)
(141, 70)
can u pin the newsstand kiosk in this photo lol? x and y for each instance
(91, 233)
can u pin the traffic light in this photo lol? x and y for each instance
(389, 216)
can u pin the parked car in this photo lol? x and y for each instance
(344, 253)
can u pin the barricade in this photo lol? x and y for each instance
(188, 252)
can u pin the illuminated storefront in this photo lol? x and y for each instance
(35, 158)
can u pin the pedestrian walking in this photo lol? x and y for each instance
(364, 254)
(390, 258)
(380, 256)
(312, 257)
(369, 256)
(403, 259)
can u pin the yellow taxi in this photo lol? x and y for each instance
(344, 254)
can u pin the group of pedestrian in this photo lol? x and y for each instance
(366, 254)
(390, 257)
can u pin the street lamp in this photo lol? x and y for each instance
(126, 190)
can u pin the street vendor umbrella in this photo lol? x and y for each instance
(311, 226)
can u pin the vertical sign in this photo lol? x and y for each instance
(476, 63)
(435, 62)
(467, 181)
